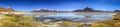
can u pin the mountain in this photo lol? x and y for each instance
(117, 11)
(6, 10)
(87, 9)
(44, 10)
(2, 9)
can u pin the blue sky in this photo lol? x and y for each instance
(63, 5)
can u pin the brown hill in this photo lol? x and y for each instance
(6, 10)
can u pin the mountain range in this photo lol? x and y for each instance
(87, 9)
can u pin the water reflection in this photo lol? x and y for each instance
(52, 19)
(77, 18)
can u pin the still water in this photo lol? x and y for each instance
(75, 17)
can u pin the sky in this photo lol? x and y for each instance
(61, 5)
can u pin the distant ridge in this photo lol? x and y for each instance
(44, 10)
(87, 9)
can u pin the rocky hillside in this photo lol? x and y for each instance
(6, 10)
